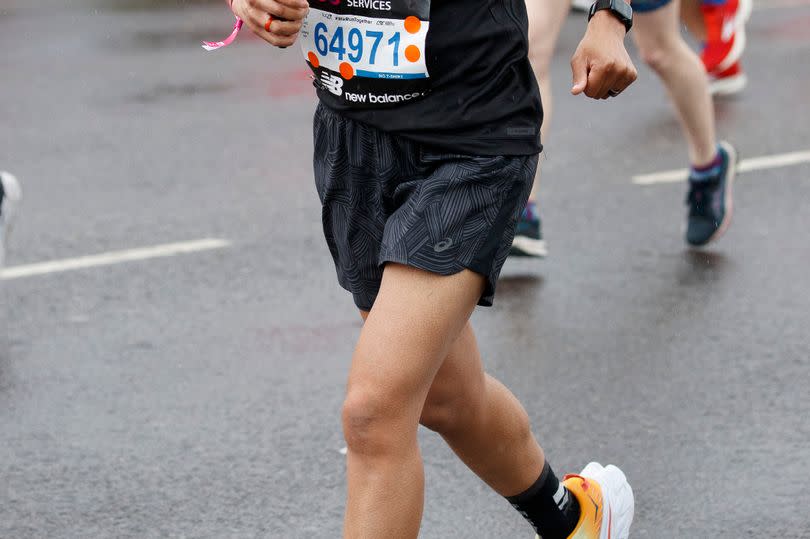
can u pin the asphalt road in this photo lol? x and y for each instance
(198, 395)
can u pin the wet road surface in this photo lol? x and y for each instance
(197, 394)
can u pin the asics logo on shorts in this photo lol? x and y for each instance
(332, 83)
(443, 245)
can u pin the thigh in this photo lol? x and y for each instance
(409, 332)
(656, 23)
(350, 193)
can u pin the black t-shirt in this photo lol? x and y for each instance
(482, 98)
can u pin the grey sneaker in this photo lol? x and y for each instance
(710, 201)
(10, 195)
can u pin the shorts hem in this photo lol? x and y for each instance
(489, 288)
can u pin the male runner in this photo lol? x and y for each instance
(9, 197)
(663, 48)
(426, 145)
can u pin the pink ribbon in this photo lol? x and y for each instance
(214, 45)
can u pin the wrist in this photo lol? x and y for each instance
(620, 10)
(604, 19)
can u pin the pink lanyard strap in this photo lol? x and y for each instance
(214, 45)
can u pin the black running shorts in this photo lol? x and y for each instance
(389, 199)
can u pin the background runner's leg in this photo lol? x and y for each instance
(546, 18)
(659, 40)
(692, 17)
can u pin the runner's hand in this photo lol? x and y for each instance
(601, 66)
(287, 18)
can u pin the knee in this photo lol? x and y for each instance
(657, 56)
(371, 423)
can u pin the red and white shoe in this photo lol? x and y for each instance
(725, 33)
(729, 82)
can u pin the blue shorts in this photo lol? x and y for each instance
(646, 6)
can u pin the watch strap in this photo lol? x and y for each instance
(619, 8)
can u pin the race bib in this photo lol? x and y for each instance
(368, 53)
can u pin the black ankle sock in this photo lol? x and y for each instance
(548, 506)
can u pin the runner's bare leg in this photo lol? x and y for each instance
(414, 340)
(482, 421)
(692, 17)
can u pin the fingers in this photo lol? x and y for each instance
(276, 21)
(579, 73)
(600, 81)
(628, 77)
(604, 80)
(284, 28)
(624, 78)
(292, 10)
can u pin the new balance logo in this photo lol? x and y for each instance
(332, 83)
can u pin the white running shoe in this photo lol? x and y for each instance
(8, 205)
(605, 500)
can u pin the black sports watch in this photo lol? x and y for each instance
(619, 8)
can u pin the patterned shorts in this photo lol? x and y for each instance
(389, 199)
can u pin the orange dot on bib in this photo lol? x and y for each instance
(346, 70)
(412, 24)
(412, 53)
(313, 59)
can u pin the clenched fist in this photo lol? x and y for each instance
(275, 21)
(601, 67)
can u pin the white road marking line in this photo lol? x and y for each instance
(113, 257)
(780, 4)
(746, 165)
